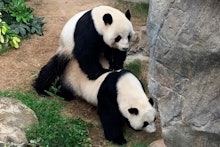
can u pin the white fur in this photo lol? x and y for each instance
(77, 80)
(120, 26)
(66, 36)
(131, 95)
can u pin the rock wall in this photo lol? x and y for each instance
(184, 70)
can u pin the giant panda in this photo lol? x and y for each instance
(101, 31)
(118, 95)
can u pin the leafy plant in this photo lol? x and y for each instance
(19, 10)
(17, 21)
(21, 19)
(7, 37)
(53, 128)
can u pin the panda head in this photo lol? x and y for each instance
(141, 117)
(114, 26)
(134, 104)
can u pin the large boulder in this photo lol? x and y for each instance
(14, 118)
(184, 72)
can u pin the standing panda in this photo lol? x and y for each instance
(101, 31)
(119, 96)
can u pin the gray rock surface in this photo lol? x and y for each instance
(184, 72)
(14, 118)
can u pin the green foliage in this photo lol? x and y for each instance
(134, 67)
(138, 10)
(20, 22)
(7, 37)
(53, 129)
(54, 89)
(21, 18)
(19, 10)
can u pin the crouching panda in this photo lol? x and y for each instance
(88, 35)
(118, 95)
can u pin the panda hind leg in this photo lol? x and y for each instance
(65, 91)
(49, 72)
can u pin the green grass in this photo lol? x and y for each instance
(138, 10)
(53, 128)
(135, 67)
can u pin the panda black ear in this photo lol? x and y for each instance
(133, 111)
(128, 14)
(107, 18)
(151, 101)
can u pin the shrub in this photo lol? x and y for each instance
(7, 37)
(19, 21)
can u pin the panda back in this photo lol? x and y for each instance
(67, 34)
(77, 81)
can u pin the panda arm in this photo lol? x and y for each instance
(108, 111)
(112, 121)
(118, 59)
(90, 66)
(115, 57)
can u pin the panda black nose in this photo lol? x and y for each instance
(145, 124)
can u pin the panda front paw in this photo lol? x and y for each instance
(119, 140)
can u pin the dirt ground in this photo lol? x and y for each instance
(19, 67)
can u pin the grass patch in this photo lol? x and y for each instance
(138, 10)
(135, 67)
(53, 128)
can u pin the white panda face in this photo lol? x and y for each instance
(114, 26)
(134, 104)
(142, 119)
(119, 37)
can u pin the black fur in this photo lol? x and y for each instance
(107, 18)
(65, 91)
(49, 72)
(128, 14)
(151, 101)
(108, 110)
(89, 45)
(116, 58)
(133, 111)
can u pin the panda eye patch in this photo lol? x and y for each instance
(118, 38)
(129, 37)
(133, 111)
(145, 124)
